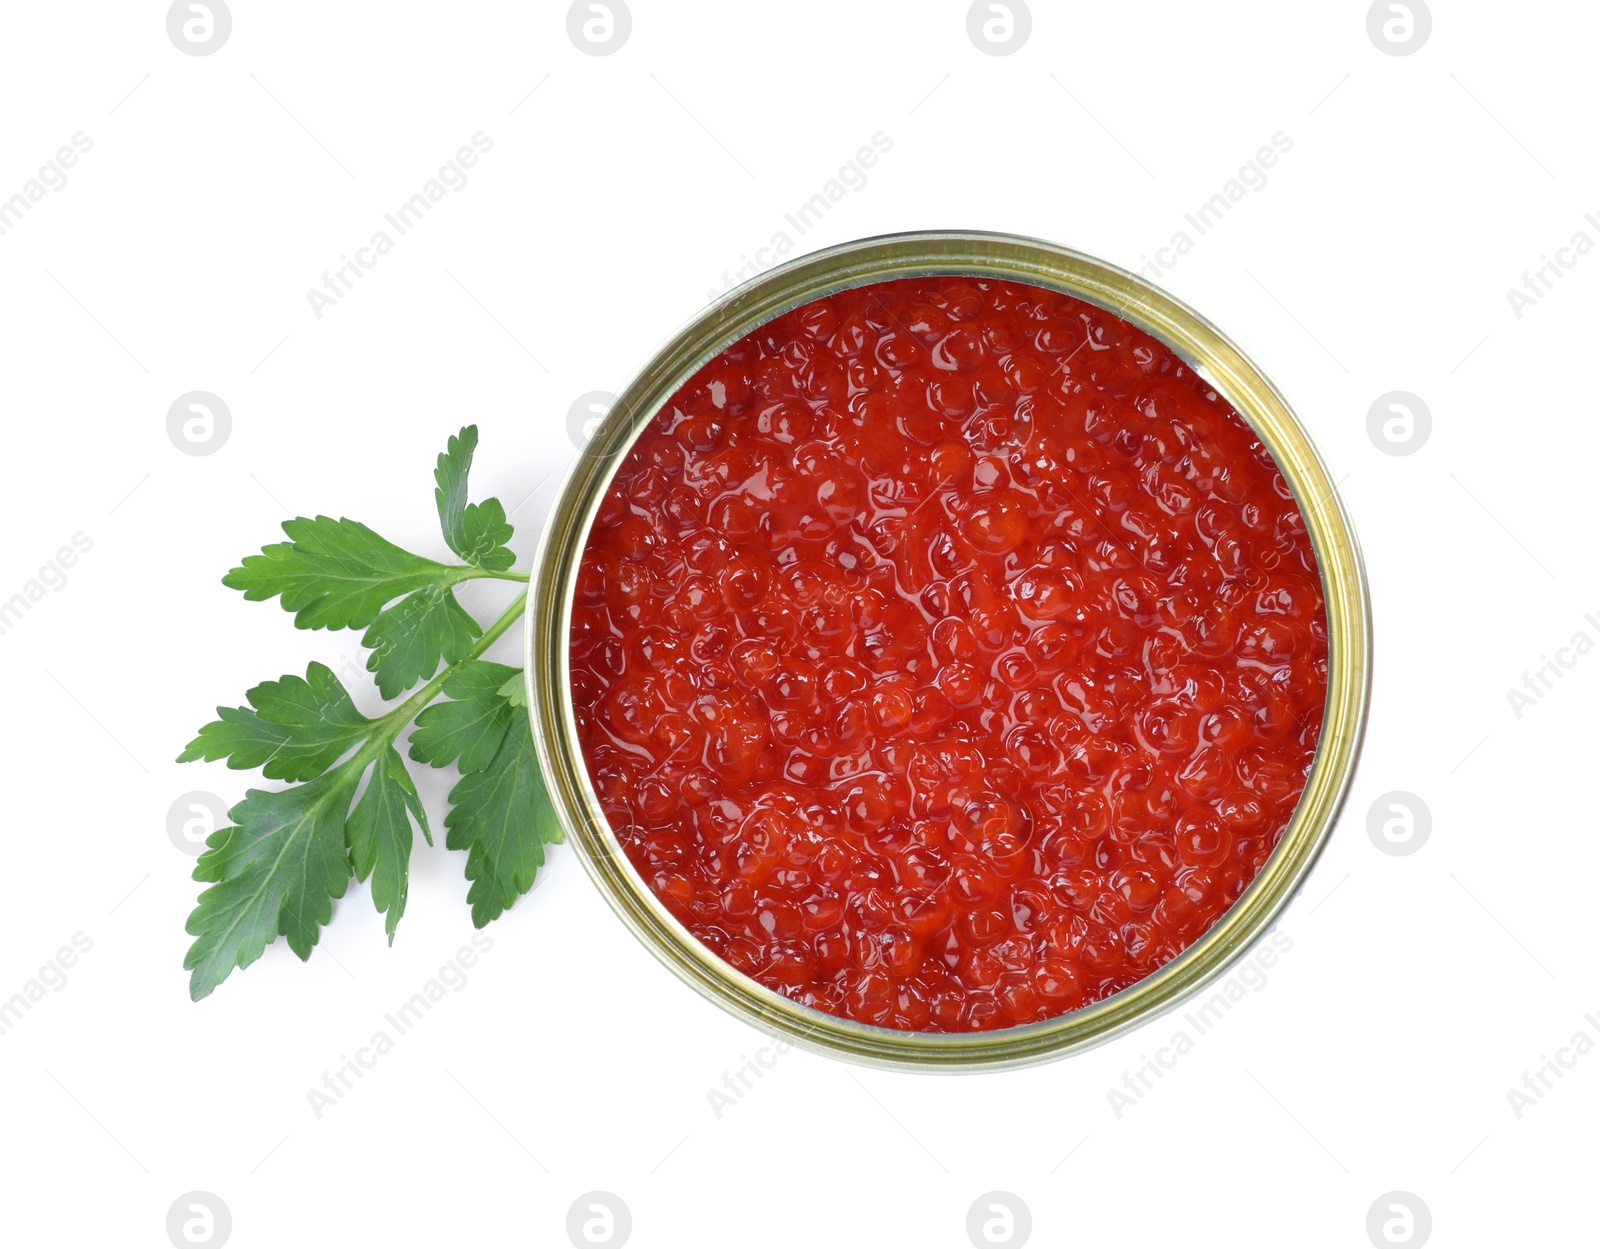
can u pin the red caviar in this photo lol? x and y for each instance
(947, 655)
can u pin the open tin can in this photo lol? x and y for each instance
(1007, 258)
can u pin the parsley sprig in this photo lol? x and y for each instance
(289, 853)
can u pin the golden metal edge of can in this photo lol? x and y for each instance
(1199, 343)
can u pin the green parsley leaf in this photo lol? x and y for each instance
(298, 728)
(379, 831)
(335, 574)
(500, 815)
(289, 854)
(477, 532)
(277, 871)
(468, 730)
(515, 691)
(408, 639)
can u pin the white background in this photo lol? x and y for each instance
(177, 257)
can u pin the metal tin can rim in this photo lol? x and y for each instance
(1006, 257)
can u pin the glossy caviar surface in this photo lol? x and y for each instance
(947, 656)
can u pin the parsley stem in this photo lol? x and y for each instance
(390, 726)
(510, 575)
